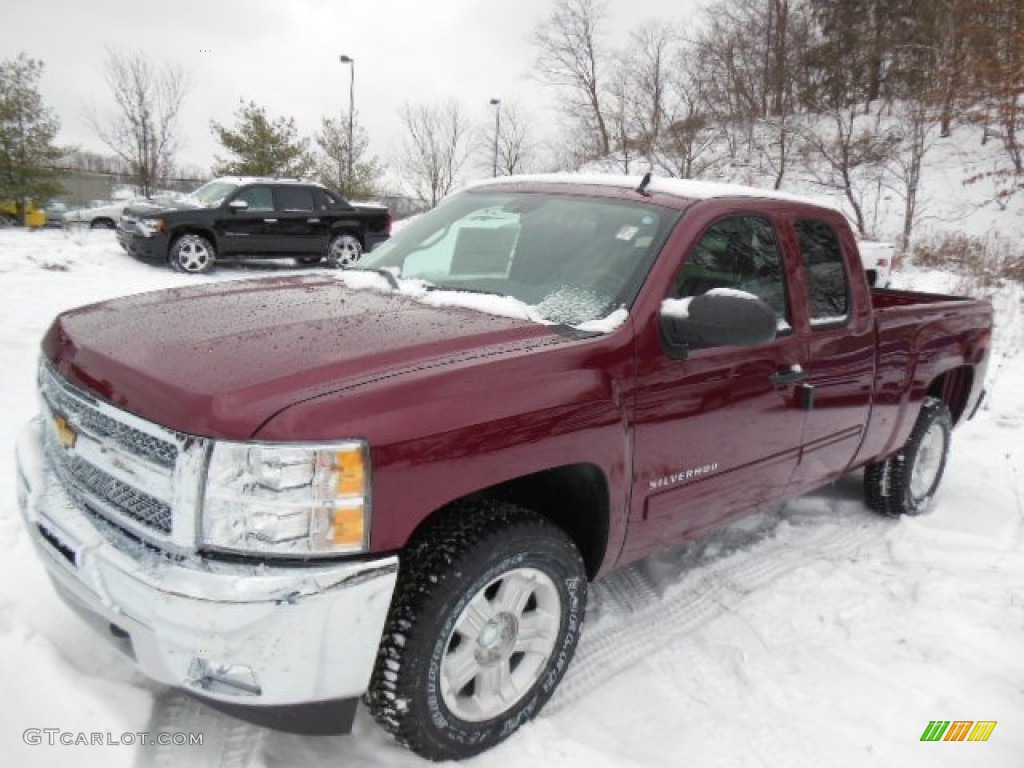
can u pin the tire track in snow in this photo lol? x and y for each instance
(635, 618)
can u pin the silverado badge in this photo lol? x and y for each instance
(66, 435)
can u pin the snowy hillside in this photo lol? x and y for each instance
(962, 188)
(817, 635)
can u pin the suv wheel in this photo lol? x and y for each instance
(344, 251)
(102, 224)
(192, 253)
(484, 621)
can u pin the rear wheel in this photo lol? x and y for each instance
(484, 622)
(344, 251)
(192, 253)
(905, 483)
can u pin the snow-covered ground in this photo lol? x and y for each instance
(817, 635)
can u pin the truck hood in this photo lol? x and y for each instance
(221, 359)
(139, 210)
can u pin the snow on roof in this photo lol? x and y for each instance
(691, 189)
(267, 179)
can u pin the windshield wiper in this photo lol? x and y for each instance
(462, 289)
(383, 271)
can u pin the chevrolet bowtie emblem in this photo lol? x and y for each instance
(66, 436)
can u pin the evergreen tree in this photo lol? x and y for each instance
(332, 159)
(262, 146)
(27, 130)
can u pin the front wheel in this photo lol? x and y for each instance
(905, 483)
(102, 224)
(192, 253)
(344, 251)
(485, 619)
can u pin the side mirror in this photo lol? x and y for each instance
(722, 317)
(238, 205)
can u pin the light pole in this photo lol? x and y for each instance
(496, 103)
(351, 113)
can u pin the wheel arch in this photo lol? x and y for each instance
(575, 497)
(193, 229)
(953, 387)
(347, 228)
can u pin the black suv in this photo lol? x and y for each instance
(254, 218)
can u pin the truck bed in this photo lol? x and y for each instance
(885, 298)
(928, 344)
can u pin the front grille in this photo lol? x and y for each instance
(74, 472)
(114, 468)
(61, 399)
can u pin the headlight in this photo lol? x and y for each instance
(287, 499)
(149, 227)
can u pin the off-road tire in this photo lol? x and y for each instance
(889, 485)
(461, 557)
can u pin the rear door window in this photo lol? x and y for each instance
(828, 290)
(294, 198)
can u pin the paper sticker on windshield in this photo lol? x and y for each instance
(627, 232)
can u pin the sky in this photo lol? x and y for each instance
(284, 55)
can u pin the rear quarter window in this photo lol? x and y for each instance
(828, 288)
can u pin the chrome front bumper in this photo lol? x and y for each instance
(241, 634)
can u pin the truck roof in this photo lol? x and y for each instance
(684, 189)
(267, 180)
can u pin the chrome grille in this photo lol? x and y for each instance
(79, 475)
(114, 465)
(62, 400)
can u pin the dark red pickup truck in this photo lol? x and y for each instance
(396, 481)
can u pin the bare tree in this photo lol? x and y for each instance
(619, 118)
(843, 151)
(919, 133)
(996, 32)
(571, 55)
(647, 60)
(516, 148)
(142, 129)
(437, 145)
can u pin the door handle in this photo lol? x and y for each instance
(313, 221)
(790, 375)
(270, 221)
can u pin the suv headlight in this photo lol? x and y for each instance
(297, 500)
(149, 227)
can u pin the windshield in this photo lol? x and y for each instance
(211, 194)
(575, 259)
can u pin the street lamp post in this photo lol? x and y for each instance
(351, 113)
(496, 103)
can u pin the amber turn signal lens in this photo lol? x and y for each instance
(349, 466)
(348, 526)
